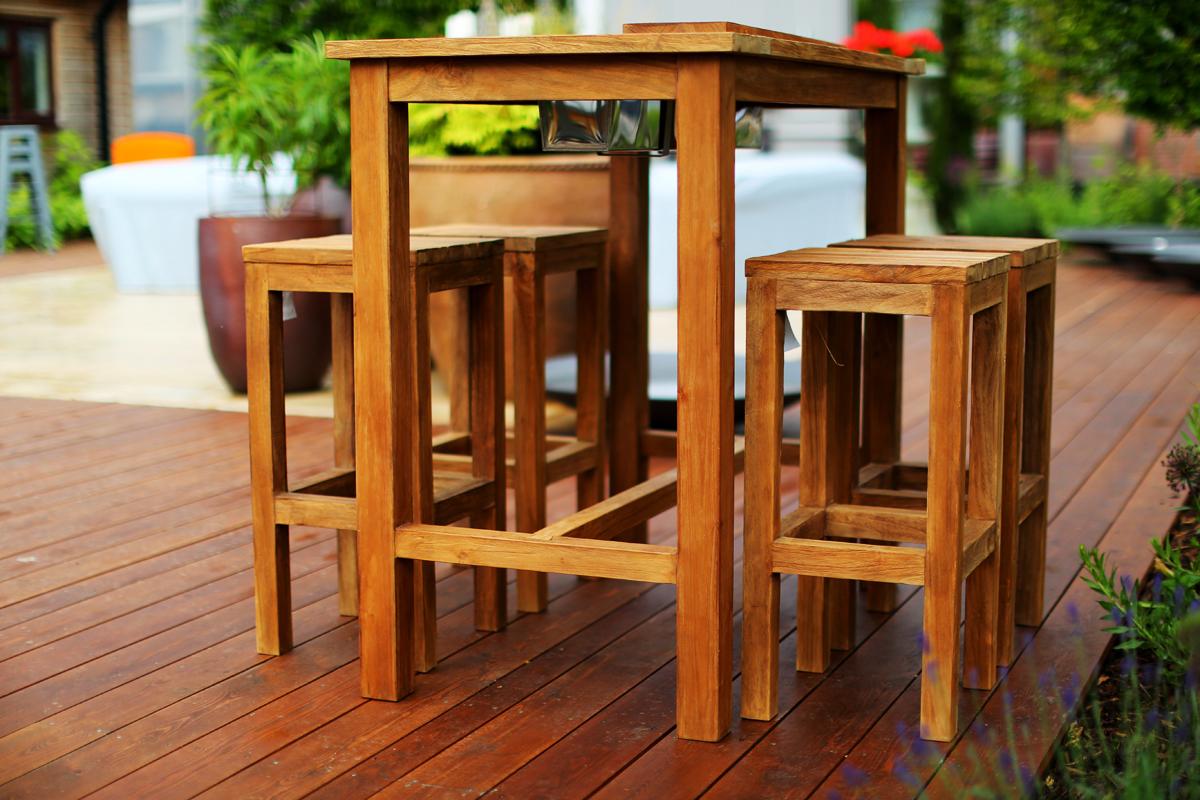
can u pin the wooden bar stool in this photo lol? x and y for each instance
(474, 491)
(964, 295)
(531, 253)
(1027, 410)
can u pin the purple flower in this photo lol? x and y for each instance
(1127, 584)
(1156, 587)
(905, 774)
(1073, 612)
(854, 776)
(1152, 720)
(1028, 780)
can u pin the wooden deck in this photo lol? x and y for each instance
(127, 662)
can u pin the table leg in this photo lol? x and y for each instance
(628, 243)
(704, 615)
(883, 334)
(385, 435)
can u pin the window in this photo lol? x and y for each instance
(26, 95)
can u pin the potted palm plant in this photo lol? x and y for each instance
(262, 108)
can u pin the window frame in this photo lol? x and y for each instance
(10, 54)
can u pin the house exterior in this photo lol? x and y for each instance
(49, 69)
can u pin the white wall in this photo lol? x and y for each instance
(821, 19)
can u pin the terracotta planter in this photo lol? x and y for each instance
(508, 190)
(306, 339)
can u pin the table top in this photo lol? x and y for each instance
(648, 39)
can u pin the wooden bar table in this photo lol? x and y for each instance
(707, 69)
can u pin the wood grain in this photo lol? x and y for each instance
(704, 633)
(385, 437)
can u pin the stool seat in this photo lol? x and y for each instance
(338, 250)
(878, 265)
(1022, 252)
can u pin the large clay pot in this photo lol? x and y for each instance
(507, 190)
(306, 339)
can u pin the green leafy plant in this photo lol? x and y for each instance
(249, 109)
(321, 125)
(436, 130)
(1148, 623)
(1041, 206)
(273, 25)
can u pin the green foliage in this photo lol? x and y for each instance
(1148, 623)
(1040, 206)
(880, 12)
(261, 103)
(1142, 743)
(273, 25)
(952, 117)
(1143, 56)
(320, 87)
(248, 110)
(436, 130)
(71, 159)
(1000, 211)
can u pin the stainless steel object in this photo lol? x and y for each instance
(626, 127)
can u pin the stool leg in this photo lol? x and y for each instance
(844, 346)
(825, 467)
(529, 396)
(341, 308)
(883, 354)
(268, 463)
(591, 321)
(1010, 473)
(487, 438)
(943, 548)
(424, 595)
(760, 583)
(1035, 450)
(985, 472)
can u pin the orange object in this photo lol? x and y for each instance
(151, 146)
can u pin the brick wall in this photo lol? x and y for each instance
(74, 63)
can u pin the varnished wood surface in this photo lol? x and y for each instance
(127, 652)
(1024, 252)
(881, 266)
(714, 42)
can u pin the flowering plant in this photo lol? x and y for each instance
(873, 39)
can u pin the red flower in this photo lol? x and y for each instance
(924, 39)
(869, 38)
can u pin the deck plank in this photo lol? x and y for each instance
(127, 663)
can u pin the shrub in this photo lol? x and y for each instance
(1041, 206)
